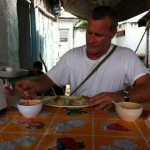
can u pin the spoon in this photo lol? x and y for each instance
(116, 103)
(28, 95)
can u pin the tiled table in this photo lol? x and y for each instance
(73, 129)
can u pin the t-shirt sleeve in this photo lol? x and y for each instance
(135, 67)
(59, 74)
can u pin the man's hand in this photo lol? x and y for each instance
(25, 86)
(104, 100)
(42, 84)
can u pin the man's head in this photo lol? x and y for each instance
(101, 12)
(102, 27)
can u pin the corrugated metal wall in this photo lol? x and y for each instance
(46, 35)
(38, 33)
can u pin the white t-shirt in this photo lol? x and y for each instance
(121, 69)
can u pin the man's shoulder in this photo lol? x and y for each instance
(77, 50)
(123, 49)
(125, 53)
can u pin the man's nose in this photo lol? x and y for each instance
(92, 38)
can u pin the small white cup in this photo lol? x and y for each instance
(9, 69)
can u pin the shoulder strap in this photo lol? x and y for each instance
(95, 69)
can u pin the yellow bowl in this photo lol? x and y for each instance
(129, 111)
(30, 108)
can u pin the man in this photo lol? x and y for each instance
(111, 81)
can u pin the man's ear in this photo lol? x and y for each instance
(113, 33)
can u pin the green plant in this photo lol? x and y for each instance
(82, 23)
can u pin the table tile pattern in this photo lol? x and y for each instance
(73, 129)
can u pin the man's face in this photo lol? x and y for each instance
(98, 37)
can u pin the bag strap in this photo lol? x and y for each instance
(95, 69)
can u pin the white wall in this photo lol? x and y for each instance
(133, 35)
(79, 37)
(67, 23)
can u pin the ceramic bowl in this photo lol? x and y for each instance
(129, 111)
(30, 108)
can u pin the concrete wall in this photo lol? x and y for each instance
(9, 33)
(79, 37)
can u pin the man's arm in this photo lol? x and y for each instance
(140, 92)
(141, 89)
(42, 84)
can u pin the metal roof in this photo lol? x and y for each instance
(125, 8)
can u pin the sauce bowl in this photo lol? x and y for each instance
(129, 111)
(30, 108)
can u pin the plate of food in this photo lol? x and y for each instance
(66, 101)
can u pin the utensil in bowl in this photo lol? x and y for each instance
(30, 108)
(129, 111)
(116, 103)
(28, 95)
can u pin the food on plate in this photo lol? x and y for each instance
(68, 101)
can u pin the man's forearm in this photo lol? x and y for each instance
(44, 82)
(141, 91)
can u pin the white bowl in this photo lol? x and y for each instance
(30, 108)
(129, 111)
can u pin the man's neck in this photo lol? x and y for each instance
(95, 56)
